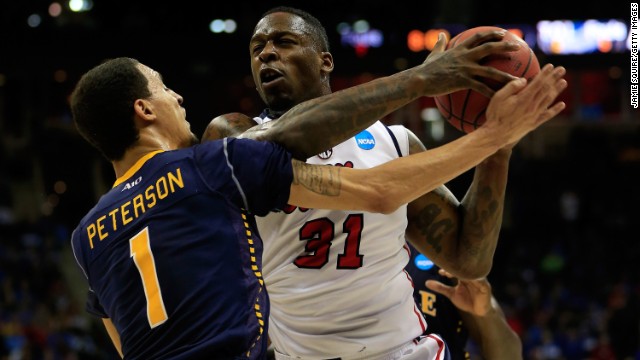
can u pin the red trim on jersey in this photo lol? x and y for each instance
(420, 318)
(440, 345)
(406, 247)
(409, 278)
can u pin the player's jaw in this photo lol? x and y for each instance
(275, 89)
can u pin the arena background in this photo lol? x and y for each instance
(566, 268)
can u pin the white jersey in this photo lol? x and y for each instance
(336, 279)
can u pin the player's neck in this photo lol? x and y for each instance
(273, 114)
(131, 157)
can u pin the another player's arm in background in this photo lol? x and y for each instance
(461, 236)
(113, 334)
(482, 316)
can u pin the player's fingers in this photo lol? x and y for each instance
(480, 285)
(547, 85)
(481, 87)
(489, 72)
(540, 80)
(482, 37)
(445, 273)
(439, 287)
(551, 112)
(494, 47)
(439, 47)
(441, 44)
(552, 91)
(511, 88)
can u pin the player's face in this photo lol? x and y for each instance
(286, 66)
(167, 106)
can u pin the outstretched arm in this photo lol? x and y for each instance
(336, 117)
(412, 176)
(462, 237)
(482, 316)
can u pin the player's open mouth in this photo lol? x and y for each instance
(268, 76)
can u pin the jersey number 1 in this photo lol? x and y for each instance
(143, 258)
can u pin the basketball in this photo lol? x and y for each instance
(465, 109)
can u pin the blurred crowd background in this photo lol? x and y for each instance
(566, 268)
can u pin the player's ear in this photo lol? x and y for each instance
(143, 109)
(327, 62)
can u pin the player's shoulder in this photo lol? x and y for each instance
(234, 118)
(227, 125)
(414, 143)
(382, 129)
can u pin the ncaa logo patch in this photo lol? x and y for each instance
(365, 140)
(422, 262)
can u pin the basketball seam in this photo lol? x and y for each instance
(464, 108)
(448, 110)
(478, 116)
(526, 68)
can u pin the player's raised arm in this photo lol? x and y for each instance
(334, 118)
(514, 111)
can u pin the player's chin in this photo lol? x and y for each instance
(279, 102)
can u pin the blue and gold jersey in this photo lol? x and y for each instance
(443, 318)
(172, 256)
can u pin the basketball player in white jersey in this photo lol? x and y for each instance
(336, 280)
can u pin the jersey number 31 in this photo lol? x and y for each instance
(320, 233)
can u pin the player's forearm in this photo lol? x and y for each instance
(321, 123)
(481, 211)
(408, 178)
(386, 187)
(494, 335)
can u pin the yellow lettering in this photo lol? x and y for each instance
(124, 212)
(142, 255)
(161, 188)
(164, 186)
(175, 180)
(428, 303)
(113, 213)
(138, 205)
(150, 195)
(91, 232)
(101, 235)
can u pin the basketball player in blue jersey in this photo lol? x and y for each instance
(336, 279)
(171, 252)
(459, 309)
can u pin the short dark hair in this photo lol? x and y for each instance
(318, 32)
(102, 105)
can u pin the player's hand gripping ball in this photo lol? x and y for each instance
(465, 109)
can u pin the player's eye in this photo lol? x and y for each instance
(257, 48)
(286, 41)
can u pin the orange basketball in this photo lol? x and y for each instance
(465, 109)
